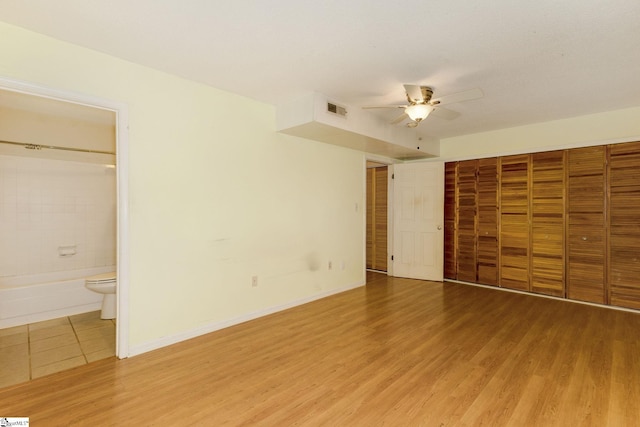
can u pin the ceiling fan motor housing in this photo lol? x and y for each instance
(427, 93)
(425, 96)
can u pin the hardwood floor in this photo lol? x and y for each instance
(396, 352)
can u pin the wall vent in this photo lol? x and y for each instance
(336, 109)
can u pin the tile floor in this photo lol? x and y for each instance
(38, 349)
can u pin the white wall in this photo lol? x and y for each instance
(216, 197)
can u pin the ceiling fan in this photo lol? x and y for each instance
(422, 103)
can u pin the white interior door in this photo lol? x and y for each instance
(418, 219)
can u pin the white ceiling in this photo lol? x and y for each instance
(535, 60)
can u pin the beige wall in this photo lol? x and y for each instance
(601, 128)
(216, 197)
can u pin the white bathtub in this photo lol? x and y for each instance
(28, 299)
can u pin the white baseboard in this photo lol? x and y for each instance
(215, 326)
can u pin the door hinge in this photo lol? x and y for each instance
(393, 176)
(391, 257)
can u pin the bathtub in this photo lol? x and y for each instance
(28, 299)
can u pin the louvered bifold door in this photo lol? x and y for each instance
(370, 212)
(380, 219)
(586, 224)
(488, 221)
(514, 222)
(547, 222)
(466, 229)
(624, 237)
(377, 218)
(450, 271)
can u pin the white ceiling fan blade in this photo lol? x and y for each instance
(444, 113)
(369, 107)
(399, 119)
(414, 92)
(467, 95)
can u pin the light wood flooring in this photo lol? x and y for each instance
(42, 348)
(397, 352)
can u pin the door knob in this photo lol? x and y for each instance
(439, 227)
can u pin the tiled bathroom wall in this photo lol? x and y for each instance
(55, 215)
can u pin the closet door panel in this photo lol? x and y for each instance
(450, 271)
(466, 216)
(547, 266)
(514, 253)
(370, 212)
(586, 224)
(380, 223)
(514, 222)
(548, 222)
(624, 238)
(488, 221)
(377, 218)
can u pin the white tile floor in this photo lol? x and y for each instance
(38, 349)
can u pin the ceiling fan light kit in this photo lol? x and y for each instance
(418, 112)
(421, 104)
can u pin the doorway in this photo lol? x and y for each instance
(377, 216)
(58, 216)
(120, 113)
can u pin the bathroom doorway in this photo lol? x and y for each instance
(99, 165)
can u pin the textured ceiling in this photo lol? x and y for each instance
(535, 60)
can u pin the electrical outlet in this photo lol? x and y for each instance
(330, 265)
(254, 281)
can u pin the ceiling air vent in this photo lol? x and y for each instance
(336, 109)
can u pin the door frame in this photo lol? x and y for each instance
(122, 188)
(390, 219)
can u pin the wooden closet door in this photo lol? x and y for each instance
(450, 271)
(370, 208)
(514, 222)
(586, 229)
(547, 222)
(377, 218)
(488, 221)
(380, 219)
(624, 237)
(466, 228)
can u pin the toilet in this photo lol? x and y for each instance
(105, 284)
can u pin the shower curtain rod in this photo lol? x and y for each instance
(54, 147)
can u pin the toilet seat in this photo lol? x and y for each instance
(102, 278)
